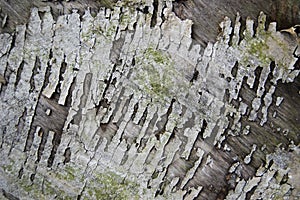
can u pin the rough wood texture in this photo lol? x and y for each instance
(123, 105)
(285, 13)
(206, 15)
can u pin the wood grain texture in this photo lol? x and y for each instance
(123, 104)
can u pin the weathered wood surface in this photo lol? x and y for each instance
(285, 13)
(124, 105)
(206, 15)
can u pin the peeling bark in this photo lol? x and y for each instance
(125, 105)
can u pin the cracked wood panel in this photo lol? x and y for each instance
(125, 105)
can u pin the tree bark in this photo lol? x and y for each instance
(124, 104)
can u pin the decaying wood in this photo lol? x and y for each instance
(125, 105)
(285, 13)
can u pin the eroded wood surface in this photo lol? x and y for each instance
(124, 103)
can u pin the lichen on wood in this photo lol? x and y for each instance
(115, 104)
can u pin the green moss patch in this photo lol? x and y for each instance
(110, 186)
(154, 74)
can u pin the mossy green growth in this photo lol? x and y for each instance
(264, 48)
(67, 174)
(155, 74)
(7, 168)
(259, 48)
(37, 191)
(44, 189)
(124, 3)
(157, 56)
(111, 186)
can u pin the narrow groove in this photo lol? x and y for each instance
(19, 72)
(154, 15)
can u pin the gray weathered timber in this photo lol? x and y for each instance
(115, 106)
(206, 15)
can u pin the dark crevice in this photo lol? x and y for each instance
(20, 173)
(242, 29)
(68, 101)
(161, 125)
(231, 37)
(104, 126)
(124, 159)
(267, 87)
(19, 72)
(44, 135)
(297, 65)
(272, 66)
(48, 70)
(250, 193)
(270, 164)
(229, 126)
(107, 82)
(13, 42)
(145, 10)
(35, 71)
(227, 96)
(144, 117)
(62, 70)
(104, 103)
(163, 17)
(235, 102)
(67, 155)
(203, 128)
(32, 177)
(114, 81)
(234, 70)
(189, 191)
(284, 179)
(30, 138)
(6, 76)
(257, 73)
(81, 192)
(55, 142)
(195, 76)
(134, 26)
(160, 190)
(41, 14)
(8, 195)
(99, 141)
(135, 109)
(270, 75)
(154, 15)
(247, 94)
(3, 135)
(172, 136)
